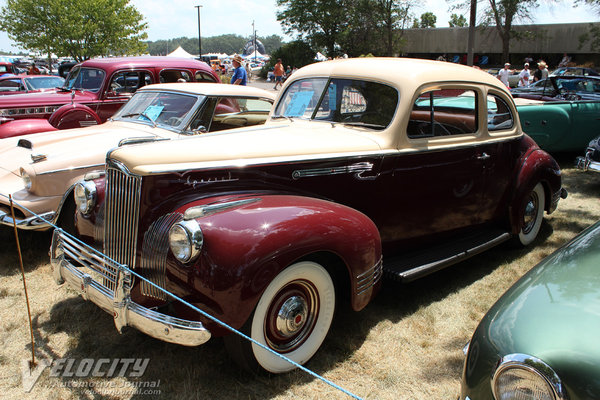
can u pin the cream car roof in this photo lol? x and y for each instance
(212, 89)
(408, 73)
(286, 140)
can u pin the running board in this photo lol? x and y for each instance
(408, 267)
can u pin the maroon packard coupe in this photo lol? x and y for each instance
(356, 174)
(93, 91)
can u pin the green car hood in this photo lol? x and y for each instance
(551, 313)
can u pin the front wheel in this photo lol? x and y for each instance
(533, 214)
(292, 318)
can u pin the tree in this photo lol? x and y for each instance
(502, 14)
(322, 22)
(80, 29)
(593, 37)
(428, 20)
(457, 21)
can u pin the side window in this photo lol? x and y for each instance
(174, 75)
(444, 112)
(499, 115)
(202, 121)
(204, 77)
(11, 85)
(127, 82)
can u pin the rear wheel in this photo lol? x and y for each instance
(292, 318)
(533, 214)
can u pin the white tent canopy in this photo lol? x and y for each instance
(179, 52)
(254, 55)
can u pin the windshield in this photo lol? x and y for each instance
(578, 85)
(348, 101)
(44, 82)
(89, 79)
(169, 110)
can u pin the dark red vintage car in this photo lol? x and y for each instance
(366, 166)
(93, 91)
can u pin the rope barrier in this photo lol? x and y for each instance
(204, 313)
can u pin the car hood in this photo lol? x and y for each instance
(275, 142)
(71, 148)
(44, 99)
(553, 313)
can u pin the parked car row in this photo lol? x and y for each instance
(351, 176)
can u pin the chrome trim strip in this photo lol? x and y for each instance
(118, 301)
(528, 363)
(70, 169)
(357, 168)
(369, 278)
(209, 209)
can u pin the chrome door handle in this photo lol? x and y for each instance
(483, 156)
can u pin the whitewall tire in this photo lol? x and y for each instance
(532, 216)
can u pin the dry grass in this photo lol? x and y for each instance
(405, 345)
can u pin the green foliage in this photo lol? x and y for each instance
(428, 20)
(295, 54)
(80, 29)
(457, 21)
(352, 27)
(229, 44)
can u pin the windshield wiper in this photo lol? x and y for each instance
(364, 124)
(140, 114)
(282, 116)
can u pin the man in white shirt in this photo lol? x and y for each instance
(524, 76)
(504, 73)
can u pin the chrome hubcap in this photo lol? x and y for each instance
(531, 210)
(291, 316)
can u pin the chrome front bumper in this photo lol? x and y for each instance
(586, 164)
(36, 222)
(91, 275)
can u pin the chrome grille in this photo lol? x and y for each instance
(121, 216)
(154, 255)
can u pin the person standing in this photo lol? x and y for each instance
(524, 76)
(504, 73)
(278, 73)
(239, 76)
(541, 72)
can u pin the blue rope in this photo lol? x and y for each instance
(205, 314)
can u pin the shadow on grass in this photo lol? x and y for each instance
(34, 250)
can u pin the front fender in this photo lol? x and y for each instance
(247, 246)
(19, 127)
(74, 116)
(535, 166)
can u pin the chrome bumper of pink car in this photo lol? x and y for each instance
(92, 275)
(36, 222)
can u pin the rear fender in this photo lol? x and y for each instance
(19, 127)
(246, 246)
(74, 116)
(535, 166)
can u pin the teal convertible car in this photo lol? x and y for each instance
(560, 113)
(541, 339)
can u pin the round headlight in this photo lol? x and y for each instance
(27, 182)
(185, 240)
(85, 196)
(519, 376)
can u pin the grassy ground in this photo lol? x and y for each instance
(407, 344)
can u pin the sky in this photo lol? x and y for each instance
(179, 18)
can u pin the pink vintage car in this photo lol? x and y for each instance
(93, 91)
